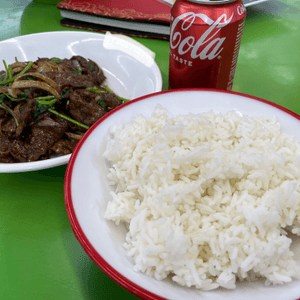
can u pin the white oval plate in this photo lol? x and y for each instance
(129, 67)
(87, 194)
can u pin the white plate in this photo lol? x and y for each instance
(87, 194)
(129, 67)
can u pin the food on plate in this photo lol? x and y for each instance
(209, 199)
(47, 105)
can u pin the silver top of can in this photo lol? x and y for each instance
(213, 2)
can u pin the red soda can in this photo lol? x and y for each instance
(205, 40)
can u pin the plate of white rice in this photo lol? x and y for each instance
(191, 194)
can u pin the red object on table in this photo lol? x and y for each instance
(204, 43)
(147, 18)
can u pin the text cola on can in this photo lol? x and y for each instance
(205, 39)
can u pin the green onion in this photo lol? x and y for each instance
(11, 98)
(106, 89)
(68, 119)
(9, 111)
(111, 91)
(79, 133)
(9, 80)
(45, 98)
(23, 106)
(24, 70)
(123, 99)
(50, 103)
(95, 90)
(6, 70)
(10, 75)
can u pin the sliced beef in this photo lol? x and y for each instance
(42, 59)
(70, 80)
(64, 146)
(69, 65)
(25, 117)
(111, 101)
(5, 143)
(9, 126)
(43, 136)
(3, 113)
(90, 68)
(83, 107)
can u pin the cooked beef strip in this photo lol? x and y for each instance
(70, 80)
(5, 143)
(3, 114)
(64, 146)
(91, 69)
(26, 116)
(84, 108)
(111, 101)
(43, 136)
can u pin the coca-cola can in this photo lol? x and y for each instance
(205, 39)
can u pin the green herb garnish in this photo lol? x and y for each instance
(39, 109)
(56, 60)
(68, 119)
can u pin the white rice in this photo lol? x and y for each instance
(207, 198)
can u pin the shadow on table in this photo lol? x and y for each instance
(94, 283)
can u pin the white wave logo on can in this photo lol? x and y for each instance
(212, 46)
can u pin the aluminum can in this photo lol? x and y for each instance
(205, 39)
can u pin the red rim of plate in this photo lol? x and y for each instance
(89, 249)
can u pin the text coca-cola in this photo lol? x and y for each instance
(205, 40)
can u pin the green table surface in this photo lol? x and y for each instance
(40, 257)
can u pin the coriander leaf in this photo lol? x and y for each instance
(64, 93)
(77, 72)
(56, 60)
(2, 97)
(102, 103)
(39, 109)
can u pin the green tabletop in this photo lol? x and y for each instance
(40, 257)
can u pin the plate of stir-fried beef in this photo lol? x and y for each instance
(52, 93)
